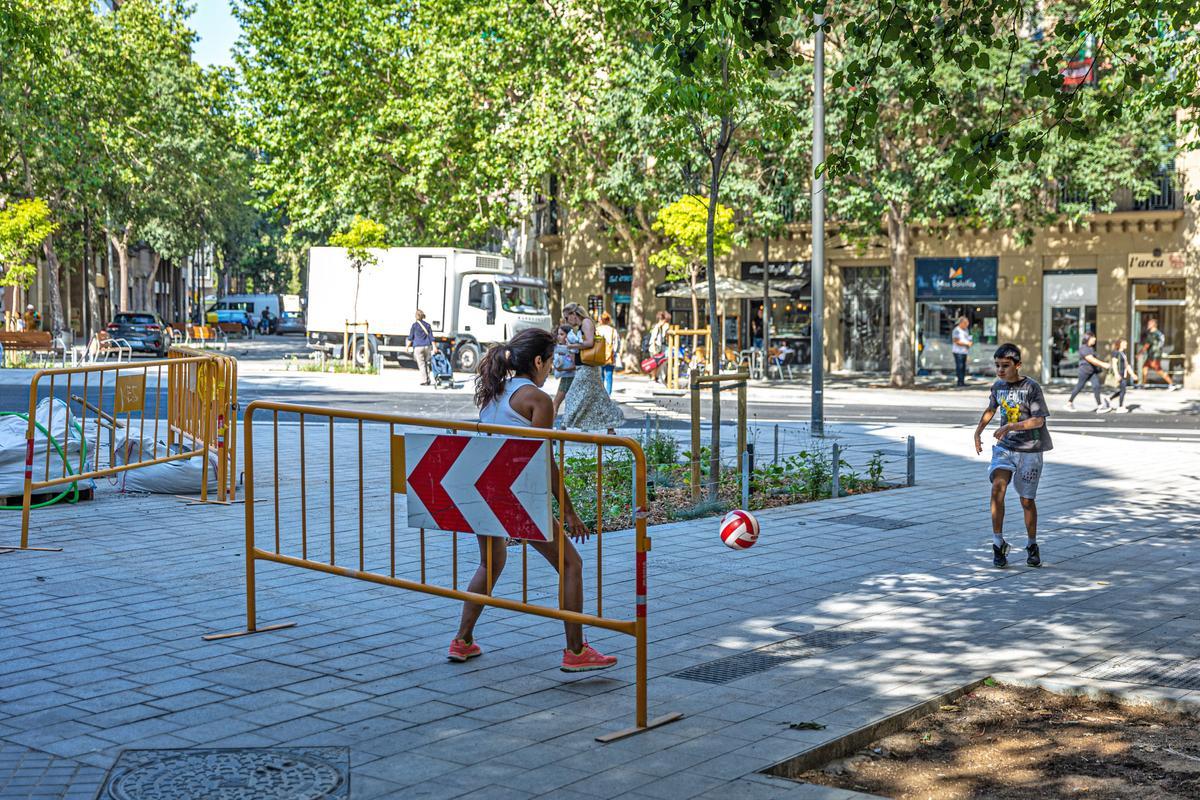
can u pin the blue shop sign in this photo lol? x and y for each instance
(957, 278)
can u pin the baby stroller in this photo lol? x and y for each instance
(443, 373)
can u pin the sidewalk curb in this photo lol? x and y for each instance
(1110, 691)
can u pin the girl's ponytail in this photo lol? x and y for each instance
(517, 356)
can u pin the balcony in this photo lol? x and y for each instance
(1165, 197)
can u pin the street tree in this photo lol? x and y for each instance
(24, 225)
(684, 226)
(359, 239)
(719, 56)
(906, 172)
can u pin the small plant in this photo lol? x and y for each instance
(875, 470)
(341, 367)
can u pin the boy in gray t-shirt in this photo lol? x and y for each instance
(1017, 453)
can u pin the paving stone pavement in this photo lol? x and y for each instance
(102, 647)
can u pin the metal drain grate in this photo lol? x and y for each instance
(741, 665)
(867, 521)
(1171, 673)
(230, 773)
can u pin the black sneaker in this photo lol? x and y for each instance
(1034, 559)
(1000, 555)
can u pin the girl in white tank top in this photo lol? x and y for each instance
(515, 372)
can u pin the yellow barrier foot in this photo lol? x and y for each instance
(212, 637)
(654, 723)
(6, 549)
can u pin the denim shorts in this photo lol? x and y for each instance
(1026, 469)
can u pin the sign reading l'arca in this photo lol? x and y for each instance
(1160, 265)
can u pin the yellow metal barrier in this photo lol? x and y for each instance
(312, 547)
(217, 388)
(200, 390)
(697, 382)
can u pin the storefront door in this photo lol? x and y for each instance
(865, 316)
(1070, 314)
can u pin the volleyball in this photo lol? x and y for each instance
(739, 530)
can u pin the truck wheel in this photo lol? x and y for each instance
(362, 350)
(466, 358)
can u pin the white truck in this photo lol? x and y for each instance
(470, 299)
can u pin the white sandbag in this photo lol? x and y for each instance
(171, 477)
(51, 415)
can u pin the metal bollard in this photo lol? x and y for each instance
(836, 488)
(912, 461)
(776, 461)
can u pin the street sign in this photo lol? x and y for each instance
(487, 485)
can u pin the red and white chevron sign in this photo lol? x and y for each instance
(488, 485)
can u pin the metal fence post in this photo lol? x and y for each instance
(912, 461)
(836, 488)
(776, 461)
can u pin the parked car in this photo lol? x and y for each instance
(290, 322)
(143, 330)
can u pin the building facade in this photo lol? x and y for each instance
(1108, 275)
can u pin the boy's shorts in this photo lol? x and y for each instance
(564, 383)
(1026, 469)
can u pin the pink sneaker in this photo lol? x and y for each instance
(462, 651)
(586, 660)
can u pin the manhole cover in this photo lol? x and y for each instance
(250, 773)
(867, 521)
(731, 668)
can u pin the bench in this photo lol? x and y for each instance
(104, 345)
(201, 334)
(235, 329)
(30, 342)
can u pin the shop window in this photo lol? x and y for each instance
(935, 326)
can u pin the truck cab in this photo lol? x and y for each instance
(493, 306)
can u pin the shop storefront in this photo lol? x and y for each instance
(791, 316)
(947, 289)
(1158, 290)
(1069, 314)
(618, 284)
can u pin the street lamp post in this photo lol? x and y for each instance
(817, 325)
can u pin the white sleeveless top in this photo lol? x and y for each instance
(500, 411)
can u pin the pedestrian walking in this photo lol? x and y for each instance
(606, 329)
(1090, 370)
(1122, 371)
(659, 339)
(587, 406)
(960, 346)
(508, 392)
(1154, 342)
(32, 319)
(420, 339)
(564, 362)
(1021, 440)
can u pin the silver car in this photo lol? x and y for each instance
(290, 322)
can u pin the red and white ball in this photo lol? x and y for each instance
(739, 530)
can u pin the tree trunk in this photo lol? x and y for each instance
(55, 269)
(694, 276)
(716, 338)
(899, 238)
(640, 256)
(121, 245)
(766, 309)
(149, 296)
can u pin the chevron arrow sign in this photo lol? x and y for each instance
(488, 485)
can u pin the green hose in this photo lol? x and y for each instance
(73, 487)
